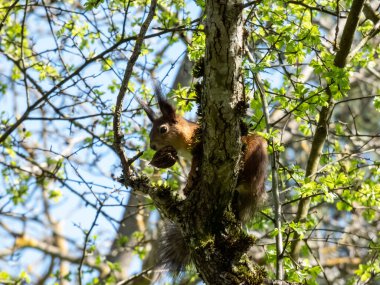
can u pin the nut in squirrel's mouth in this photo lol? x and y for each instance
(164, 157)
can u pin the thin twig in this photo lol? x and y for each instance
(87, 62)
(87, 236)
(324, 118)
(118, 136)
(7, 13)
(275, 187)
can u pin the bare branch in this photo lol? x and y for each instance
(123, 89)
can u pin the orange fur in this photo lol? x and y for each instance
(179, 135)
(173, 130)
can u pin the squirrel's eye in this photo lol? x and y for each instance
(163, 129)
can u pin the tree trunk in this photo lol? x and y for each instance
(207, 218)
(216, 239)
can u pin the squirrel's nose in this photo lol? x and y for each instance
(153, 146)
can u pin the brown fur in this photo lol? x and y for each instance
(252, 177)
(171, 130)
(180, 134)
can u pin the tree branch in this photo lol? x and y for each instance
(87, 62)
(324, 118)
(375, 30)
(29, 242)
(219, 249)
(10, 7)
(348, 33)
(275, 185)
(275, 182)
(123, 89)
(315, 8)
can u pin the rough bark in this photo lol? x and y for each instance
(207, 218)
(216, 239)
(223, 91)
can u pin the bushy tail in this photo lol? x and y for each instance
(252, 188)
(173, 252)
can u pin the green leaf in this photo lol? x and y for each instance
(92, 4)
(4, 276)
(24, 276)
(376, 103)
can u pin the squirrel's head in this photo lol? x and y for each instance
(169, 129)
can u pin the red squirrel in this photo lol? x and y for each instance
(172, 130)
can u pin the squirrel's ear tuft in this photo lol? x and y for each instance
(151, 115)
(167, 110)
